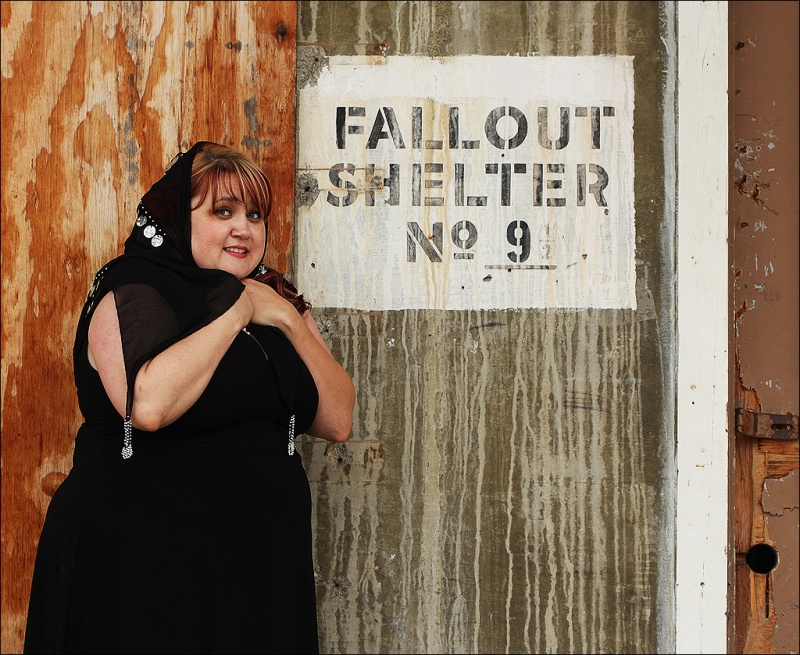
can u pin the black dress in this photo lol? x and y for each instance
(200, 542)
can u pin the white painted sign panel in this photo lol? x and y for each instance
(475, 182)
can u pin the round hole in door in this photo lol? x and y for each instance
(761, 558)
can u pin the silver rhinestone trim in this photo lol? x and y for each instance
(291, 435)
(127, 444)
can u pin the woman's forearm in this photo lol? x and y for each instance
(170, 383)
(337, 395)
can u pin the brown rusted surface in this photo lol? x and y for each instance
(764, 205)
(764, 228)
(766, 426)
(96, 99)
(781, 505)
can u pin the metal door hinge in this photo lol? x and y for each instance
(766, 426)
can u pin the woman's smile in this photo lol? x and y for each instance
(237, 251)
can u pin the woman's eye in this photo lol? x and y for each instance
(254, 216)
(223, 211)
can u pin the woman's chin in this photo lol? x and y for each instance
(240, 269)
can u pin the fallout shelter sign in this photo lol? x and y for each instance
(471, 182)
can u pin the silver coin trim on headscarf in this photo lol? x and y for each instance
(151, 231)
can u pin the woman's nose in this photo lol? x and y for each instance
(240, 226)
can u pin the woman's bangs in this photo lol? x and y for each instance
(241, 185)
(256, 188)
(228, 174)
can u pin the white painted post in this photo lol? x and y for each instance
(702, 328)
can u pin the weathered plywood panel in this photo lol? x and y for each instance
(97, 98)
(509, 483)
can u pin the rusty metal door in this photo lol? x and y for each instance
(764, 227)
(97, 97)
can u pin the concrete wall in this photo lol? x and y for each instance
(509, 485)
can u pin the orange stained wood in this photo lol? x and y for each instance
(96, 99)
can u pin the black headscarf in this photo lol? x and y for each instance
(161, 295)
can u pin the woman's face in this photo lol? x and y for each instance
(227, 234)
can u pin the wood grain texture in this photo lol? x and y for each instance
(97, 97)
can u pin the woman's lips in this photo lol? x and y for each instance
(237, 251)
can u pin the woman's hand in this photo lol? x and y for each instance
(269, 307)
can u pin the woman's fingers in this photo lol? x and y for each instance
(269, 308)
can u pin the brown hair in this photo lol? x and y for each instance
(285, 289)
(217, 167)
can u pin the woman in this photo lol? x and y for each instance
(185, 523)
